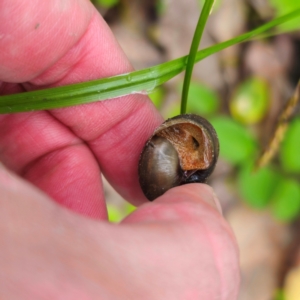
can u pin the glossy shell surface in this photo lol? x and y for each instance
(182, 150)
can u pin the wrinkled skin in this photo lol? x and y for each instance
(55, 241)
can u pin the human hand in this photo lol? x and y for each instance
(178, 247)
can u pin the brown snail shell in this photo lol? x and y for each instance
(182, 150)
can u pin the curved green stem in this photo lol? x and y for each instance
(193, 52)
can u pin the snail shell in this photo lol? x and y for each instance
(182, 150)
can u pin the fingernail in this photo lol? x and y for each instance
(217, 202)
(211, 198)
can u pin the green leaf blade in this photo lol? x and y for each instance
(142, 81)
(193, 52)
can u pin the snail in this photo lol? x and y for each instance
(182, 150)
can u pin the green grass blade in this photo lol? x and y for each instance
(193, 52)
(143, 81)
(247, 36)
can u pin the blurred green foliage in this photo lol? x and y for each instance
(157, 96)
(237, 144)
(257, 188)
(286, 200)
(271, 187)
(174, 110)
(202, 100)
(117, 213)
(290, 148)
(275, 187)
(160, 6)
(285, 6)
(279, 295)
(251, 100)
(106, 3)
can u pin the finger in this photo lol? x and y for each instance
(33, 36)
(46, 153)
(28, 30)
(191, 215)
(46, 250)
(115, 130)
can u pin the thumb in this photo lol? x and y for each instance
(175, 203)
(189, 218)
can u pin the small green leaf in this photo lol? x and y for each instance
(236, 143)
(250, 102)
(289, 151)
(257, 188)
(202, 100)
(286, 200)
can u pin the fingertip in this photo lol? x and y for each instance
(186, 203)
(195, 192)
(209, 196)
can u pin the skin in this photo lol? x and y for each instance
(55, 241)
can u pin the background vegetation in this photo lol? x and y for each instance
(242, 91)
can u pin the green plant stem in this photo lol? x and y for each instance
(143, 81)
(193, 52)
